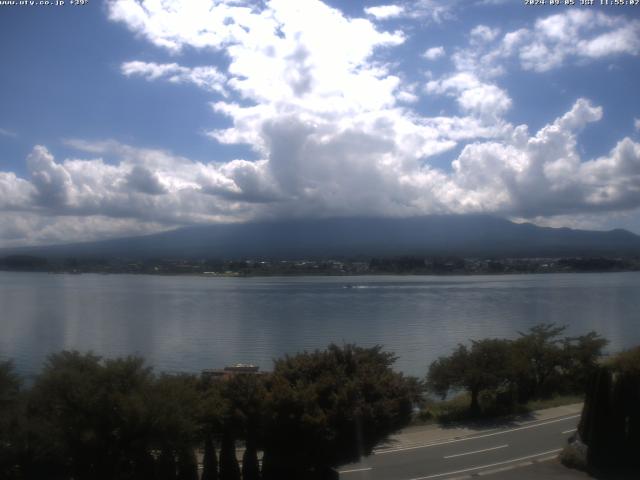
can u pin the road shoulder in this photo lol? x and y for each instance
(416, 436)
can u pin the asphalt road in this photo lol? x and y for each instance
(486, 451)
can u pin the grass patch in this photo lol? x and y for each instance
(456, 409)
(557, 401)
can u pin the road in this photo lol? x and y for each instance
(459, 457)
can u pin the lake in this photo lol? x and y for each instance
(181, 323)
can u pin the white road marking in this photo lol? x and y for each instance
(476, 451)
(570, 431)
(488, 466)
(354, 470)
(501, 432)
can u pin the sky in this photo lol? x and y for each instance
(129, 117)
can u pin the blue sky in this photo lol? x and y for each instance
(129, 117)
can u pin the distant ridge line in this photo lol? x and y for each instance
(434, 235)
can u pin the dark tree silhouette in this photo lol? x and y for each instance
(580, 357)
(209, 460)
(330, 407)
(229, 468)
(481, 367)
(250, 466)
(610, 422)
(187, 465)
(537, 357)
(10, 416)
(244, 415)
(167, 468)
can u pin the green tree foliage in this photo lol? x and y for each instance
(187, 465)
(610, 422)
(212, 418)
(544, 364)
(243, 417)
(95, 419)
(209, 460)
(476, 369)
(538, 363)
(537, 355)
(9, 418)
(68, 400)
(250, 465)
(329, 407)
(229, 468)
(167, 467)
(580, 359)
(175, 408)
(627, 362)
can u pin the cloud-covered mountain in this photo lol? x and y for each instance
(316, 109)
(465, 235)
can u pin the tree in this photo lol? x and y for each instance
(229, 468)
(65, 406)
(187, 465)
(89, 417)
(581, 355)
(174, 407)
(210, 419)
(537, 358)
(481, 367)
(627, 361)
(167, 468)
(209, 460)
(244, 417)
(610, 422)
(10, 418)
(330, 407)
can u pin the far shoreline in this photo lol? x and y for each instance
(320, 275)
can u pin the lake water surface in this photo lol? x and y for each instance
(191, 323)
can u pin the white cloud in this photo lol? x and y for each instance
(483, 100)
(436, 11)
(636, 124)
(624, 40)
(578, 35)
(7, 133)
(332, 127)
(384, 12)
(484, 34)
(208, 78)
(15, 192)
(433, 53)
(28, 228)
(312, 170)
(582, 33)
(543, 174)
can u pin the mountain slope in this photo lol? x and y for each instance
(464, 235)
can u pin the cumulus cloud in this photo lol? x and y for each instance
(332, 129)
(51, 181)
(436, 11)
(484, 100)
(15, 192)
(385, 11)
(433, 53)
(483, 34)
(208, 78)
(316, 172)
(28, 228)
(143, 180)
(552, 41)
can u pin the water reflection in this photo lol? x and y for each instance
(191, 323)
